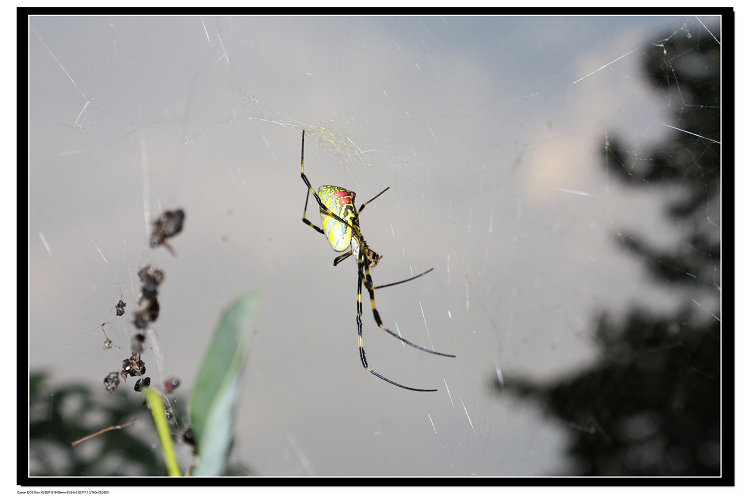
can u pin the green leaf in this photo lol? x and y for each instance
(217, 385)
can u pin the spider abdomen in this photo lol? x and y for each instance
(340, 201)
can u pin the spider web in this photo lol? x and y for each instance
(504, 141)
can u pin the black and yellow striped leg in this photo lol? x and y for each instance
(367, 280)
(304, 217)
(359, 332)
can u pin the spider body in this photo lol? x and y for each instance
(340, 221)
(340, 202)
(343, 237)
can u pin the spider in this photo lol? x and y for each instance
(340, 221)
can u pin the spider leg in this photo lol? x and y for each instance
(373, 199)
(317, 198)
(338, 259)
(361, 345)
(402, 281)
(304, 218)
(367, 280)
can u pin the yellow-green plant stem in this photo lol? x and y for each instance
(162, 428)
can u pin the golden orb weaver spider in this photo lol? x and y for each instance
(340, 221)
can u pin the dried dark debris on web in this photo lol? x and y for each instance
(111, 381)
(168, 225)
(148, 305)
(141, 383)
(107, 341)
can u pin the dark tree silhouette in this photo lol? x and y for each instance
(652, 404)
